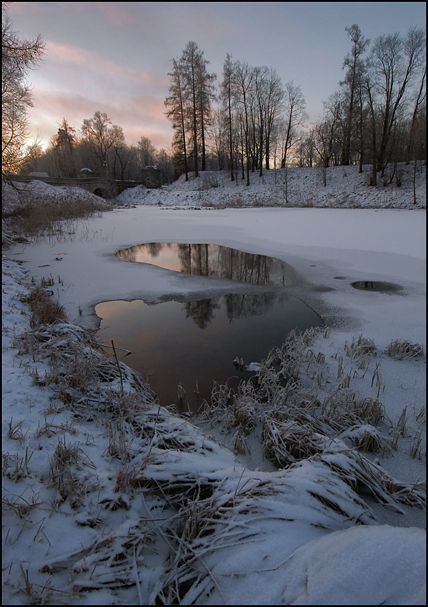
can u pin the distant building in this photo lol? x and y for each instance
(151, 177)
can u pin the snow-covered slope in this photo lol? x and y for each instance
(342, 187)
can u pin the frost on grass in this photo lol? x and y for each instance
(118, 501)
(402, 349)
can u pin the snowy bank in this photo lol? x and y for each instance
(334, 187)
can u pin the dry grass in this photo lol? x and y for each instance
(45, 311)
(360, 346)
(343, 409)
(285, 443)
(41, 214)
(65, 466)
(401, 349)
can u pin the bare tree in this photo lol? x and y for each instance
(294, 117)
(260, 95)
(273, 105)
(18, 57)
(243, 80)
(189, 66)
(354, 75)
(198, 92)
(177, 113)
(327, 132)
(417, 108)
(394, 62)
(147, 152)
(102, 136)
(227, 101)
(63, 147)
(165, 165)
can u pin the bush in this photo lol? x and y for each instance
(45, 311)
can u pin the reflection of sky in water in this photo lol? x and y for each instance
(198, 341)
(212, 260)
(168, 259)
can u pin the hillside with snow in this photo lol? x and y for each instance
(337, 187)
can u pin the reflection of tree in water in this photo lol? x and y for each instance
(194, 258)
(237, 305)
(126, 254)
(217, 261)
(241, 306)
(245, 267)
(154, 248)
(202, 311)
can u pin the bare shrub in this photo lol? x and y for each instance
(401, 349)
(45, 311)
(66, 461)
(364, 437)
(39, 214)
(343, 409)
(360, 346)
(288, 442)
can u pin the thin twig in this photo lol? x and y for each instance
(118, 366)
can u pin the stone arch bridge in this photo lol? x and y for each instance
(106, 188)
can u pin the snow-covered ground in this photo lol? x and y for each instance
(109, 499)
(339, 187)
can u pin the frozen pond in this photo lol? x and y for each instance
(196, 342)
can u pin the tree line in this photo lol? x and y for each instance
(101, 147)
(250, 121)
(377, 115)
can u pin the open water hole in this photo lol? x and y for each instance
(194, 343)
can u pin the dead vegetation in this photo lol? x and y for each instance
(402, 349)
(45, 310)
(36, 214)
(187, 509)
(298, 424)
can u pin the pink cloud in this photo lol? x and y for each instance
(66, 54)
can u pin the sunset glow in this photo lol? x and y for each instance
(115, 57)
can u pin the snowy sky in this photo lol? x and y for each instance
(115, 57)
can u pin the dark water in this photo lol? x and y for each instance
(213, 260)
(376, 285)
(197, 341)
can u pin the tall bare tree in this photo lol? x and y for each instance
(273, 105)
(417, 109)
(294, 117)
(199, 93)
(260, 77)
(355, 72)
(18, 57)
(177, 114)
(243, 82)
(227, 102)
(394, 63)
